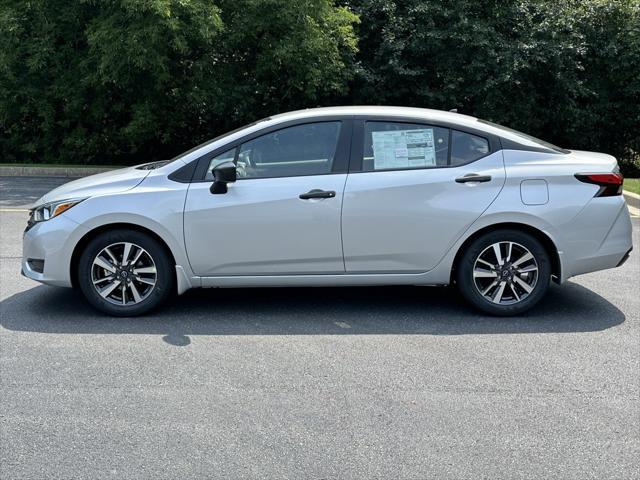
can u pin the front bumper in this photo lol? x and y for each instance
(52, 241)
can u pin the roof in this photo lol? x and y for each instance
(516, 139)
(426, 113)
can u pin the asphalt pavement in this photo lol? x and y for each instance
(399, 382)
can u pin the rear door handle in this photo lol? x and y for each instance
(315, 193)
(473, 177)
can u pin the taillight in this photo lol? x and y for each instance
(610, 183)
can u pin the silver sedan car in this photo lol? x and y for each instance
(338, 196)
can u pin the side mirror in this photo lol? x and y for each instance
(223, 174)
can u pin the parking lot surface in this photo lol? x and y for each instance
(402, 382)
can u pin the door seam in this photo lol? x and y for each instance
(344, 188)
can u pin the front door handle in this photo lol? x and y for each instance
(315, 193)
(473, 177)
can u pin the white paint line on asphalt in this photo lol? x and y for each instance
(14, 210)
(342, 324)
(635, 212)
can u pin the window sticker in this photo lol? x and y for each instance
(403, 149)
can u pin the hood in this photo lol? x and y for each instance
(101, 184)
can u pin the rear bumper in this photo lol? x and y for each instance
(610, 252)
(625, 258)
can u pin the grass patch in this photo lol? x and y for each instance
(632, 185)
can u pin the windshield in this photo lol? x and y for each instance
(526, 137)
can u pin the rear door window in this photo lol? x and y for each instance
(466, 148)
(404, 146)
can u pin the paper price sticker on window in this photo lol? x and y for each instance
(403, 149)
(402, 152)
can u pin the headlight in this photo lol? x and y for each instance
(47, 211)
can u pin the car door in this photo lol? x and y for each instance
(282, 215)
(412, 191)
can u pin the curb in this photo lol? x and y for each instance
(632, 198)
(633, 203)
(26, 171)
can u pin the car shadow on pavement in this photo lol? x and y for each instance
(309, 311)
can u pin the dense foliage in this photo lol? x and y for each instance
(123, 81)
(567, 71)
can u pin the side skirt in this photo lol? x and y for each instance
(318, 280)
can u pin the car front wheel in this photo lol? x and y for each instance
(125, 273)
(504, 272)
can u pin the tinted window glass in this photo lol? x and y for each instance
(307, 149)
(466, 148)
(401, 146)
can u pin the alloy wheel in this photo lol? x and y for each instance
(123, 273)
(505, 273)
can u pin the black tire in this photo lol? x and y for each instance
(519, 303)
(159, 258)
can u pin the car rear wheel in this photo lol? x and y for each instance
(504, 272)
(125, 273)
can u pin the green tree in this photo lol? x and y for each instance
(100, 81)
(562, 70)
(130, 80)
(609, 117)
(279, 55)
